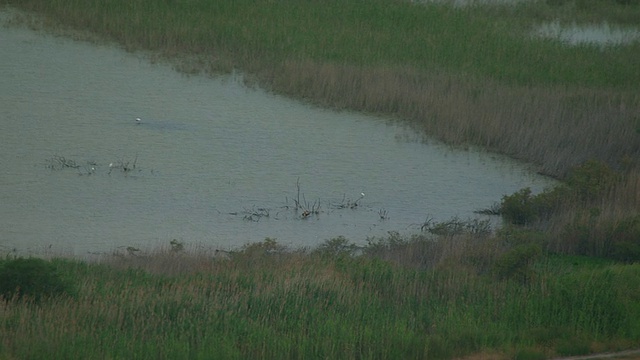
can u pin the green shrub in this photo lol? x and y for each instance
(584, 183)
(617, 239)
(33, 278)
(339, 246)
(515, 235)
(523, 208)
(516, 263)
(590, 179)
(519, 208)
(269, 245)
(582, 235)
(625, 240)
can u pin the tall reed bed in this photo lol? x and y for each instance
(607, 225)
(301, 305)
(554, 127)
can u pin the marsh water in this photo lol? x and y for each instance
(602, 34)
(212, 162)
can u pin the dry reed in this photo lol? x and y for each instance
(554, 127)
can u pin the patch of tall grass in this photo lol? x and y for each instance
(555, 128)
(294, 304)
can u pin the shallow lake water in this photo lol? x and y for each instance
(212, 162)
(597, 34)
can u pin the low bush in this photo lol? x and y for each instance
(585, 184)
(339, 246)
(31, 278)
(625, 240)
(591, 179)
(516, 263)
(519, 207)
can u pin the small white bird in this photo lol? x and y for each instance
(138, 120)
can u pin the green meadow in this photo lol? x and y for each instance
(560, 278)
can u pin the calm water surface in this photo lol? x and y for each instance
(598, 34)
(212, 159)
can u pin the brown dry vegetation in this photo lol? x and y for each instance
(555, 127)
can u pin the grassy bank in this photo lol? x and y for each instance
(268, 303)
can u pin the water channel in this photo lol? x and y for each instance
(211, 163)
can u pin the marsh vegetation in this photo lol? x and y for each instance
(416, 297)
(470, 76)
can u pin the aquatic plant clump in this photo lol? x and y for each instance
(30, 278)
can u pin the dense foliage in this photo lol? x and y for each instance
(31, 278)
